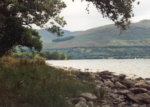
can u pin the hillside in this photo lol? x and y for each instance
(137, 35)
(49, 38)
(104, 42)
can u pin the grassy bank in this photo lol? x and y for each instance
(28, 82)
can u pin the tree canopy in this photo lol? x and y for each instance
(119, 11)
(16, 17)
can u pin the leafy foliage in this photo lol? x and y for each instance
(16, 16)
(119, 11)
(45, 54)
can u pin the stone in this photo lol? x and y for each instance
(144, 105)
(83, 74)
(142, 98)
(128, 83)
(89, 96)
(122, 76)
(134, 105)
(142, 84)
(105, 106)
(81, 104)
(74, 101)
(107, 76)
(147, 79)
(82, 99)
(122, 104)
(121, 98)
(106, 73)
(113, 95)
(140, 78)
(119, 85)
(98, 86)
(123, 92)
(98, 106)
(90, 104)
(138, 90)
(109, 83)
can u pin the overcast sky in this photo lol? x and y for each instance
(78, 18)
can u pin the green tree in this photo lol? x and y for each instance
(119, 11)
(16, 17)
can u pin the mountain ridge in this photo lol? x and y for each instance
(104, 42)
(137, 35)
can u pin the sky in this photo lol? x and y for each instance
(78, 18)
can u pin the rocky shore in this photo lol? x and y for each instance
(114, 91)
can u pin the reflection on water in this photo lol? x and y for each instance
(130, 67)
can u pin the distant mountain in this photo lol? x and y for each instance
(137, 35)
(102, 42)
(47, 37)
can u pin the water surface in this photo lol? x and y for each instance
(130, 67)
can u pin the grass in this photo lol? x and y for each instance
(31, 83)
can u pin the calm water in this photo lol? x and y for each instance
(130, 67)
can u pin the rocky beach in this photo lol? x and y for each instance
(126, 83)
(114, 90)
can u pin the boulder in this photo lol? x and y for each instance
(119, 85)
(106, 77)
(113, 95)
(105, 73)
(142, 98)
(128, 83)
(98, 86)
(144, 105)
(88, 96)
(81, 104)
(147, 79)
(123, 92)
(105, 106)
(115, 79)
(76, 100)
(83, 74)
(82, 99)
(138, 90)
(142, 84)
(134, 105)
(122, 76)
(122, 104)
(140, 78)
(90, 104)
(109, 83)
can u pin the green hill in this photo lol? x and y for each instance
(137, 36)
(49, 38)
